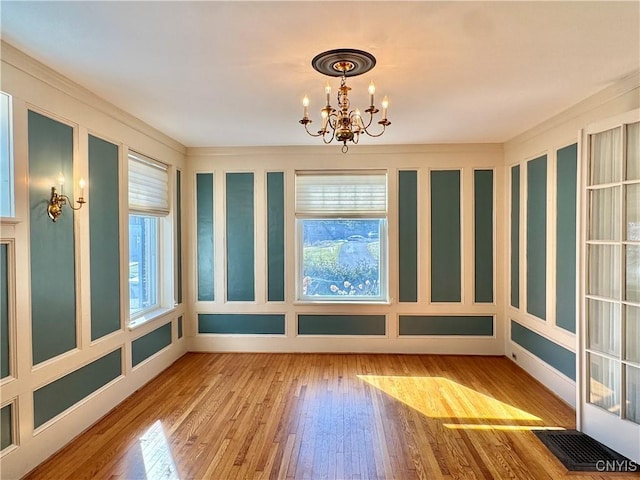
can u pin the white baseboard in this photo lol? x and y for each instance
(562, 386)
(71, 423)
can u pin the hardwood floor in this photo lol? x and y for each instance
(280, 416)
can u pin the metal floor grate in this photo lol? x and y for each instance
(579, 452)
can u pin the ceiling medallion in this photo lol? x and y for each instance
(343, 124)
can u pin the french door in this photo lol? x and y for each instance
(609, 369)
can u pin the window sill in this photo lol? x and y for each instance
(342, 302)
(148, 317)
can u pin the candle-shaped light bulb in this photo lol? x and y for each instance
(305, 107)
(327, 91)
(82, 184)
(385, 105)
(325, 118)
(358, 119)
(372, 90)
(61, 182)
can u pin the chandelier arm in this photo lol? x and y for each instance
(312, 134)
(384, 127)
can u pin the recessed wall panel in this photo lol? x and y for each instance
(549, 352)
(483, 235)
(515, 236)
(537, 237)
(6, 426)
(566, 240)
(446, 325)
(341, 324)
(61, 394)
(204, 228)
(4, 311)
(408, 235)
(52, 244)
(240, 237)
(446, 264)
(241, 324)
(150, 344)
(275, 236)
(104, 235)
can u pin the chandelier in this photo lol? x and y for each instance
(341, 123)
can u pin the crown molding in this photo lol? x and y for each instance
(354, 150)
(30, 66)
(618, 88)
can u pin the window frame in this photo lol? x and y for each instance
(383, 261)
(11, 160)
(165, 282)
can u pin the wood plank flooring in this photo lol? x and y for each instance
(317, 416)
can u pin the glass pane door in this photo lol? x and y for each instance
(611, 306)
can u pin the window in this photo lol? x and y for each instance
(148, 210)
(6, 157)
(341, 228)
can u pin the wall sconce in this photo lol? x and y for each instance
(57, 200)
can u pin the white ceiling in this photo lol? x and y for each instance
(234, 73)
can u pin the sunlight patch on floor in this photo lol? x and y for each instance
(509, 428)
(158, 461)
(438, 397)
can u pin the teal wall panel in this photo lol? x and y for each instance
(515, 236)
(549, 352)
(57, 396)
(341, 325)
(150, 344)
(249, 324)
(408, 236)
(483, 235)
(178, 236)
(6, 426)
(240, 237)
(537, 237)
(104, 233)
(204, 227)
(445, 236)
(275, 236)
(566, 241)
(4, 311)
(446, 325)
(179, 327)
(53, 295)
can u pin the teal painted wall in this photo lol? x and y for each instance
(446, 325)
(240, 237)
(566, 241)
(204, 226)
(104, 233)
(6, 426)
(149, 344)
(179, 327)
(515, 236)
(408, 236)
(275, 236)
(54, 398)
(537, 237)
(4, 311)
(483, 235)
(179, 236)
(341, 324)
(250, 324)
(53, 296)
(549, 352)
(445, 236)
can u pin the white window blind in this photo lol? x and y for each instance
(341, 193)
(148, 186)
